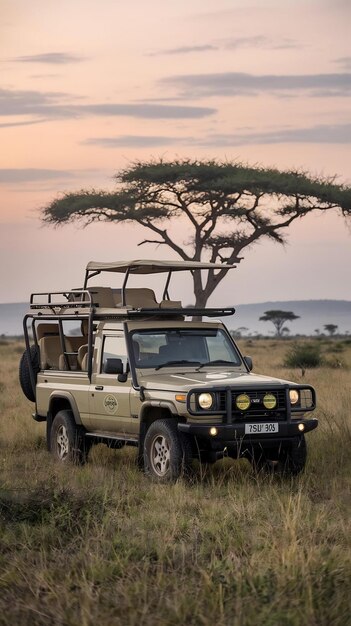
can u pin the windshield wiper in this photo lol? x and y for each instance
(182, 362)
(217, 362)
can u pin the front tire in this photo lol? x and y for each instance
(67, 440)
(167, 454)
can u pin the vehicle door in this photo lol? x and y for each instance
(109, 398)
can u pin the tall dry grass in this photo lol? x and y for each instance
(102, 545)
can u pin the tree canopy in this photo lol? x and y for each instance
(278, 319)
(227, 206)
(331, 328)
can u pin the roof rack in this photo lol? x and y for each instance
(80, 302)
(74, 297)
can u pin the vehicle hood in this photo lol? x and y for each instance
(183, 381)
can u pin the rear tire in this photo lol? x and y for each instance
(167, 453)
(67, 440)
(24, 375)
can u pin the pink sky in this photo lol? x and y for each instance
(89, 87)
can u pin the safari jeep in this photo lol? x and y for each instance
(115, 366)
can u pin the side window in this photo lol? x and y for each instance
(114, 348)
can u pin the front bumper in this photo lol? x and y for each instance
(235, 432)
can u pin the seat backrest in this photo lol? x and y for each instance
(170, 304)
(47, 330)
(82, 353)
(102, 297)
(137, 298)
(50, 350)
(172, 352)
(84, 363)
(51, 356)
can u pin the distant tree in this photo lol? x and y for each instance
(237, 333)
(278, 319)
(226, 207)
(331, 329)
(285, 331)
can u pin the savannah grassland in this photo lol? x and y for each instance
(102, 545)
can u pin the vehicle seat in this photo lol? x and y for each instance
(170, 304)
(102, 297)
(137, 298)
(47, 330)
(82, 353)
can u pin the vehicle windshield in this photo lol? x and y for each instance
(181, 347)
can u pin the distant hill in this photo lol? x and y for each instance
(313, 314)
(11, 318)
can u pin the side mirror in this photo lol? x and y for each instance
(113, 366)
(248, 362)
(122, 378)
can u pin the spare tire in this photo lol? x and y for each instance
(24, 374)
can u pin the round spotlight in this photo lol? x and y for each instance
(205, 400)
(243, 402)
(301, 427)
(269, 401)
(294, 396)
(213, 431)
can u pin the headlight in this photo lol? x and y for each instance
(294, 396)
(205, 400)
(243, 402)
(269, 401)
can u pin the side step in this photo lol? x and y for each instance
(113, 440)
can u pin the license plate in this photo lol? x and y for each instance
(261, 429)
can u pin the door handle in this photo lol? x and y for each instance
(99, 387)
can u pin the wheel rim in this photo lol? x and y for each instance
(160, 455)
(62, 442)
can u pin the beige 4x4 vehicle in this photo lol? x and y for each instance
(140, 374)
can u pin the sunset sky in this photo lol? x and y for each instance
(89, 87)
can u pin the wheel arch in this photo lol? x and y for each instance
(150, 412)
(63, 400)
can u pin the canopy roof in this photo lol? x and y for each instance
(147, 266)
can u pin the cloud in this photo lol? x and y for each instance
(30, 102)
(258, 41)
(327, 134)
(149, 111)
(54, 105)
(31, 175)
(184, 50)
(26, 123)
(50, 58)
(344, 62)
(234, 43)
(134, 141)
(239, 83)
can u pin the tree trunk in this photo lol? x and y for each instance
(201, 296)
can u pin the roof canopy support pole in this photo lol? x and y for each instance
(124, 287)
(89, 274)
(165, 293)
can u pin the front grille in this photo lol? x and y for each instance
(256, 410)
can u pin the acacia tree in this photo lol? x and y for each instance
(331, 329)
(278, 319)
(227, 206)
